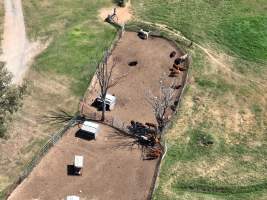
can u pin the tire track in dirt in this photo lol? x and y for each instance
(18, 52)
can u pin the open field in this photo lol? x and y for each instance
(225, 102)
(58, 77)
(131, 92)
(113, 169)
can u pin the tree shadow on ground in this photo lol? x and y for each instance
(57, 117)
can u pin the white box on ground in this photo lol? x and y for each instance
(73, 197)
(78, 161)
(110, 100)
(90, 127)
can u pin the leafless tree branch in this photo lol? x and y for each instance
(106, 81)
(160, 103)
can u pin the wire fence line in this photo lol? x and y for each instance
(160, 32)
(165, 130)
(110, 121)
(37, 158)
(94, 79)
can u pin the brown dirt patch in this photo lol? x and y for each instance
(153, 62)
(112, 170)
(124, 13)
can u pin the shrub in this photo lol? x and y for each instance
(10, 96)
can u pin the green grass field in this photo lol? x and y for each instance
(224, 103)
(79, 38)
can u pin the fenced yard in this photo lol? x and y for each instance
(113, 169)
(153, 62)
(113, 151)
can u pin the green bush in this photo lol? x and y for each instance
(10, 98)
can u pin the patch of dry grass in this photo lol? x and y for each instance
(1, 23)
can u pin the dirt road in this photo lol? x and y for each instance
(17, 50)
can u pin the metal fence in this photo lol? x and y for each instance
(94, 80)
(166, 128)
(110, 121)
(158, 32)
(36, 159)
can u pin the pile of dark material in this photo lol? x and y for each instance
(133, 63)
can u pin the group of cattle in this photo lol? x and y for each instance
(178, 64)
(146, 135)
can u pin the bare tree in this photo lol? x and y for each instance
(105, 79)
(162, 102)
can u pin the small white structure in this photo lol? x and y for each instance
(144, 34)
(110, 101)
(78, 165)
(78, 161)
(73, 197)
(90, 127)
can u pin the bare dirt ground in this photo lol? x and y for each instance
(153, 63)
(113, 169)
(124, 13)
(18, 52)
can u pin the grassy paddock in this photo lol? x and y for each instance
(79, 38)
(223, 103)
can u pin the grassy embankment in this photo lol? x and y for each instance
(58, 77)
(225, 101)
(1, 23)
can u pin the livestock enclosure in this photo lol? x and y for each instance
(113, 156)
(152, 63)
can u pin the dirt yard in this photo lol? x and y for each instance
(153, 57)
(113, 169)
